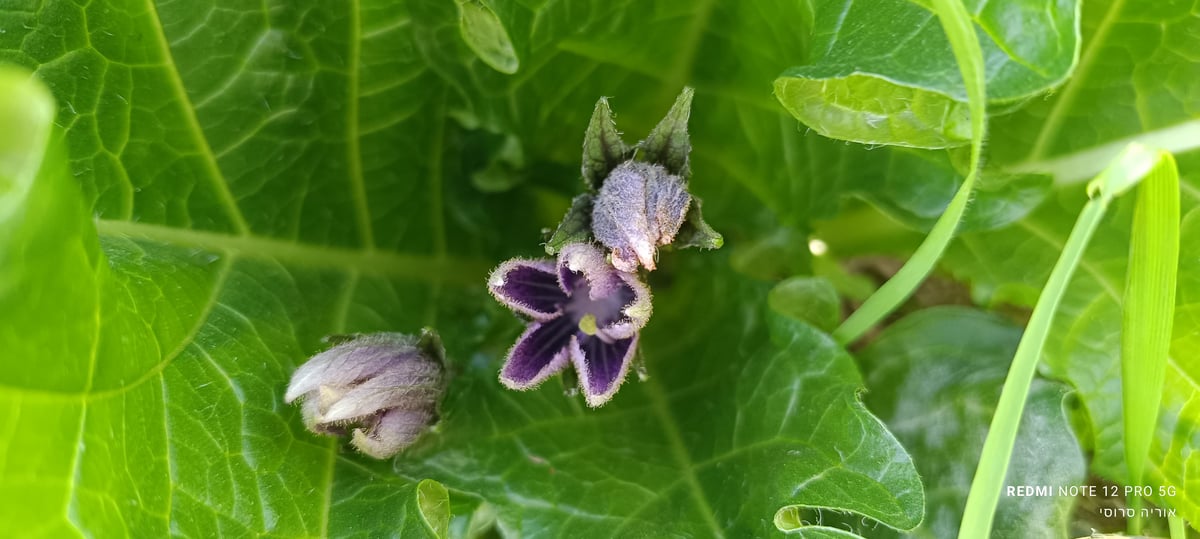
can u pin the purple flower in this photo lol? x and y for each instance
(582, 311)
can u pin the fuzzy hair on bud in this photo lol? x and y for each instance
(382, 388)
(640, 207)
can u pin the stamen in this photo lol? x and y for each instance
(587, 324)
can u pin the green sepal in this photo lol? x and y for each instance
(695, 232)
(339, 338)
(603, 148)
(576, 226)
(668, 144)
(430, 344)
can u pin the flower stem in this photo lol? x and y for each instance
(961, 33)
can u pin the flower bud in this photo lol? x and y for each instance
(637, 197)
(640, 207)
(384, 388)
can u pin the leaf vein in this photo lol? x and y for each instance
(353, 148)
(1066, 100)
(217, 178)
(679, 452)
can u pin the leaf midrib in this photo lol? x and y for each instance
(362, 211)
(679, 451)
(1055, 118)
(437, 269)
(215, 175)
(1085, 163)
(432, 268)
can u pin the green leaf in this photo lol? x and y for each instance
(1126, 170)
(866, 84)
(1084, 345)
(503, 171)
(600, 49)
(808, 299)
(970, 61)
(1149, 306)
(935, 379)
(234, 184)
(1063, 137)
(234, 233)
(48, 277)
(873, 110)
(916, 185)
(545, 462)
(485, 34)
(373, 505)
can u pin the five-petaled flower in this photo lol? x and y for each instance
(583, 312)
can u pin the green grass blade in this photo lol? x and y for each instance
(1134, 163)
(1148, 310)
(1178, 527)
(961, 33)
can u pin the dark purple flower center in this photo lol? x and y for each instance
(588, 313)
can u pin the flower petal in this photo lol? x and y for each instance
(636, 311)
(602, 366)
(529, 287)
(392, 432)
(583, 263)
(539, 353)
(406, 385)
(350, 362)
(620, 301)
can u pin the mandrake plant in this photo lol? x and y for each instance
(424, 268)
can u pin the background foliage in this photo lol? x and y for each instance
(227, 183)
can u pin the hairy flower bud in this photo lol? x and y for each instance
(384, 388)
(640, 206)
(637, 197)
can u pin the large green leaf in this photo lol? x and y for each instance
(867, 84)
(229, 183)
(169, 418)
(730, 52)
(35, 181)
(935, 379)
(1084, 345)
(733, 426)
(1071, 136)
(142, 386)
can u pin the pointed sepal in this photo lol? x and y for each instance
(695, 232)
(603, 148)
(668, 144)
(576, 226)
